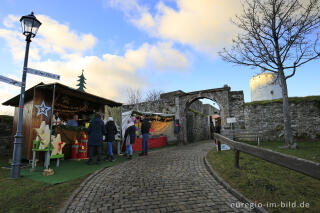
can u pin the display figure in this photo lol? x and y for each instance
(57, 145)
(56, 119)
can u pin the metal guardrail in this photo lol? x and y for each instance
(306, 167)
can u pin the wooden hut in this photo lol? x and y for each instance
(68, 101)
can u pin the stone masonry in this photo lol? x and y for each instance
(179, 103)
(256, 119)
(266, 120)
(5, 134)
(197, 113)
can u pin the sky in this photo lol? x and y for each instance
(165, 45)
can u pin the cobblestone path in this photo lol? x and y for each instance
(167, 180)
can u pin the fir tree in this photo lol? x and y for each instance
(82, 82)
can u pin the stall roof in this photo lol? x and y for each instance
(66, 90)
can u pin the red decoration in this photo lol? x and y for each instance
(83, 149)
(152, 143)
(60, 145)
(75, 149)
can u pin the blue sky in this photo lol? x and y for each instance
(167, 45)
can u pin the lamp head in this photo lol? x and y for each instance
(30, 25)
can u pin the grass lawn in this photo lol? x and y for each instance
(306, 150)
(35, 193)
(266, 183)
(25, 195)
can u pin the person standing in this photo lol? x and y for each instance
(111, 131)
(73, 121)
(56, 119)
(145, 128)
(212, 130)
(218, 129)
(130, 137)
(96, 130)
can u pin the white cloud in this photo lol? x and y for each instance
(15, 43)
(205, 25)
(10, 21)
(129, 7)
(52, 37)
(146, 21)
(56, 37)
(160, 57)
(107, 76)
(7, 92)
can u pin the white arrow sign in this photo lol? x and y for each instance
(10, 81)
(42, 73)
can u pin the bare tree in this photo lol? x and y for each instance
(153, 95)
(277, 36)
(134, 96)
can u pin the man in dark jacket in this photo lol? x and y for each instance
(218, 129)
(111, 131)
(145, 128)
(96, 131)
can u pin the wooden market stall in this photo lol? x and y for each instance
(67, 101)
(162, 128)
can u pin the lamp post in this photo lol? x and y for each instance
(30, 26)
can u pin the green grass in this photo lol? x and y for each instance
(68, 170)
(306, 150)
(25, 195)
(264, 182)
(291, 100)
(35, 193)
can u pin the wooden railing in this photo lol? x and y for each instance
(307, 167)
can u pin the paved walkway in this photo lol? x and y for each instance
(167, 180)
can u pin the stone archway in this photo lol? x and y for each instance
(230, 103)
(197, 119)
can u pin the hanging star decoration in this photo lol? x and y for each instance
(42, 109)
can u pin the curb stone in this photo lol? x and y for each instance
(229, 188)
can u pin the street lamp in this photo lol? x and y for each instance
(30, 25)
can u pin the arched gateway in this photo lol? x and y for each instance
(230, 103)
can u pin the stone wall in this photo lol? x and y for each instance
(265, 119)
(5, 134)
(197, 126)
(197, 115)
(162, 106)
(236, 108)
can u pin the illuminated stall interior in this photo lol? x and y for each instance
(67, 102)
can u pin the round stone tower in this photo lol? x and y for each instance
(265, 86)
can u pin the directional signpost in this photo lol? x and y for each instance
(30, 71)
(10, 81)
(42, 73)
(15, 171)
